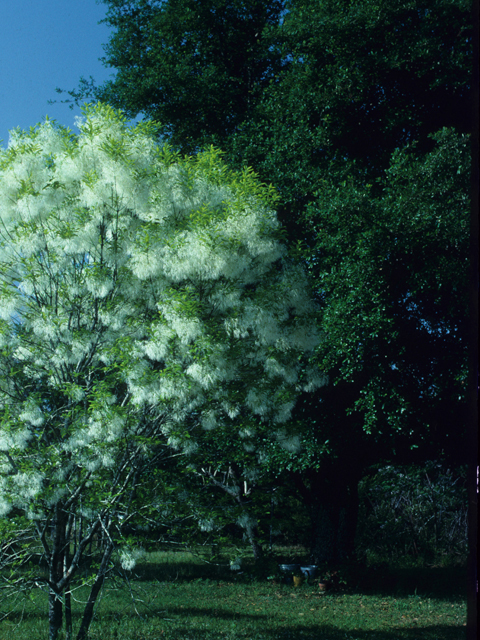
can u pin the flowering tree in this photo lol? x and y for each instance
(144, 298)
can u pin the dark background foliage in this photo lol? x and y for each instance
(359, 113)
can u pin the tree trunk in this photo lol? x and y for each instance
(238, 491)
(333, 532)
(95, 590)
(324, 540)
(332, 502)
(253, 539)
(55, 614)
(68, 601)
(250, 529)
(55, 605)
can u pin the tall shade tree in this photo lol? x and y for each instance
(352, 133)
(197, 66)
(347, 119)
(144, 298)
(394, 310)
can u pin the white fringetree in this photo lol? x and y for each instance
(144, 298)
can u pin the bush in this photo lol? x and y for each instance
(413, 512)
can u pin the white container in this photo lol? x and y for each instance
(309, 571)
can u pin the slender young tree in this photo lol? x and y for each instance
(144, 298)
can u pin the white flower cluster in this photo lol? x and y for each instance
(133, 284)
(207, 525)
(245, 521)
(129, 557)
(289, 442)
(18, 489)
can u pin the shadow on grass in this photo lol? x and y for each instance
(182, 571)
(435, 582)
(185, 623)
(319, 632)
(195, 623)
(441, 583)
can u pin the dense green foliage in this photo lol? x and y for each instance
(359, 114)
(206, 63)
(392, 272)
(144, 299)
(343, 107)
(413, 512)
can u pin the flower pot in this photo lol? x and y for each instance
(298, 580)
(288, 569)
(322, 587)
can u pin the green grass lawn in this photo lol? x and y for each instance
(174, 596)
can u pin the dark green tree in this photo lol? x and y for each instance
(391, 276)
(358, 113)
(198, 67)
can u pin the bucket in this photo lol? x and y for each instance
(309, 571)
(288, 570)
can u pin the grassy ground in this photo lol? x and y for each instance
(175, 596)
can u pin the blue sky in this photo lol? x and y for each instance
(46, 44)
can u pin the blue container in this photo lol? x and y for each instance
(309, 571)
(288, 570)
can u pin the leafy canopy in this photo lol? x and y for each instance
(145, 297)
(132, 279)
